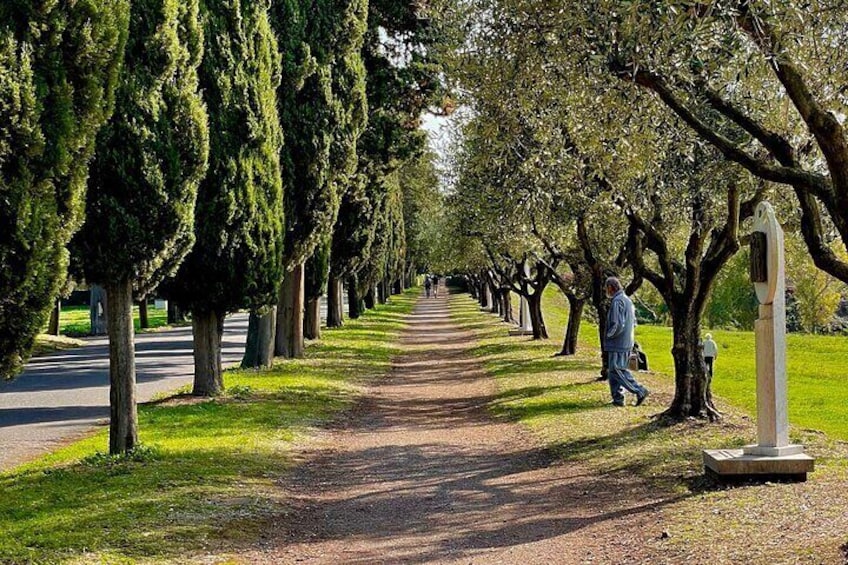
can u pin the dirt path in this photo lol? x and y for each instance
(422, 473)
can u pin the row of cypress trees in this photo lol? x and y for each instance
(242, 154)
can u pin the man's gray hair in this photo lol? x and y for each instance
(613, 283)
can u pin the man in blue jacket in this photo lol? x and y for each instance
(618, 342)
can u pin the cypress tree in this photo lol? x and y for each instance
(59, 65)
(150, 158)
(321, 103)
(237, 260)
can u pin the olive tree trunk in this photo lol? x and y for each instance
(123, 420)
(692, 384)
(312, 319)
(289, 340)
(537, 320)
(208, 330)
(572, 329)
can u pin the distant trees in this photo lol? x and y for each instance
(59, 66)
(237, 261)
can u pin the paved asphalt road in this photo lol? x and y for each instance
(61, 396)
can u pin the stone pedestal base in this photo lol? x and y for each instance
(737, 464)
(519, 331)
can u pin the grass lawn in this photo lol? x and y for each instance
(205, 482)
(75, 320)
(647, 460)
(45, 344)
(817, 368)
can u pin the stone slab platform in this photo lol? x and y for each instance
(520, 332)
(735, 464)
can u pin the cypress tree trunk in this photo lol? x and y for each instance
(396, 287)
(575, 315)
(208, 329)
(175, 314)
(312, 319)
(335, 316)
(536, 318)
(143, 320)
(289, 340)
(692, 386)
(382, 295)
(123, 421)
(259, 347)
(55, 318)
(353, 300)
(370, 298)
(98, 310)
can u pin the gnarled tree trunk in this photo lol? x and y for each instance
(312, 319)
(123, 421)
(335, 315)
(537, 320)
(259, 347)
(208, 330)
(692, 386)
(289, 336)
(575, 315)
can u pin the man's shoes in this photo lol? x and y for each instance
(641, 398)
(617, 404)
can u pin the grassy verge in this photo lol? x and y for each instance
(45, 344)
(646, 460)
(75, 321)
(205, 481)
(817, 366)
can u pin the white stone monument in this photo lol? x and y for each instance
(773, 455)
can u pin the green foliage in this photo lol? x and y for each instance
(207, 478)
(321, 106)
(423, 209)
(403, 82)
(59, 65)
(317, 271)
(152, 154)
(733, 303)
(237, 260)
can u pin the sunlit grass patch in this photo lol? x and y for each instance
(645, 458)
(205, 480)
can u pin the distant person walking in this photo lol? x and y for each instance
(435, 286)
(710, 353)
(428, 285)
(618, 343)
